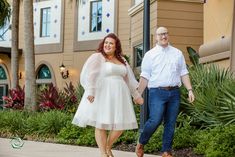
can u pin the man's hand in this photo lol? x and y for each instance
(139, 100)
(91, 98)
(191, 96)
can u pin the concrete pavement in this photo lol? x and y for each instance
(41, 149)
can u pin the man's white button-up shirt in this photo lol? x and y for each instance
(163, 67)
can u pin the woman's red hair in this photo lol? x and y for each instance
(118, 52)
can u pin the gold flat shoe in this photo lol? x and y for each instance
(109, 152)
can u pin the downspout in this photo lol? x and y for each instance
(232, 47)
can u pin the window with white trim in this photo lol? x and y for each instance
(45, 22)
(96, 16)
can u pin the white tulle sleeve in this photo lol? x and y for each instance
(90, 72)
(131, 82)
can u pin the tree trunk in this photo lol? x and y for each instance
(14, 44)
(30, 80)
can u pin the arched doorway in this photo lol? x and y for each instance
(3, 85)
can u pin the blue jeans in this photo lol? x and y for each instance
(163, 106)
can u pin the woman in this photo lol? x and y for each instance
(106, 104)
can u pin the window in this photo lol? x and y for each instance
(3, 85)
(138, 55)
(44, 73)
(96, 16)
(2, 74)
(138, 1)
(43, 77)
(45, 22)
(3, 32)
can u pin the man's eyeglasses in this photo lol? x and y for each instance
(163, 34)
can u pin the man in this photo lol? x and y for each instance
(162, 70)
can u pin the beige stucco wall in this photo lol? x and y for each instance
(217, 32)
(184, 20)
(218, 19)
(136, 22)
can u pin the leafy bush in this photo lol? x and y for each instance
(216, 142)
(87, 138)
(13, 121)
(52, 122)
(70, 132)
(15, 98)
(128, 137)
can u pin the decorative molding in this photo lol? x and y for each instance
(215, 50)
(215, 57)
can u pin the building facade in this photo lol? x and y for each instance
(67, 32)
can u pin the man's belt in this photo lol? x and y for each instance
(169, 87)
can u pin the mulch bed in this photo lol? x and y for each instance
(186, 152)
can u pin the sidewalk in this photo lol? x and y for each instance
(41, 149)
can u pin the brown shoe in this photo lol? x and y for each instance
(139, 150)
(167, 154)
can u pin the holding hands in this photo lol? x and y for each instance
(138, 100)
(91, 98)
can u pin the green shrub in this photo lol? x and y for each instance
(87, 137)
(13, 121)
(216, 142)
(70, 132)
(184, 132)
(50, 122)
(128, 137)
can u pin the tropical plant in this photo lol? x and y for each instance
(5, 12)
(193, 55)
(15, 99)
(50, 98)
(70, 97)
(215, 96)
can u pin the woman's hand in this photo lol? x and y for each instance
(90, 98)
(139, 100)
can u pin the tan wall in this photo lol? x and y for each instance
(184, 21)
(218, 19)
(223, 64)
(123, 28)
(137, 23)
(217, 32)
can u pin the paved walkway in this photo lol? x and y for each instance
(41, 149)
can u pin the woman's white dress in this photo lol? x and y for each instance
(112, 86)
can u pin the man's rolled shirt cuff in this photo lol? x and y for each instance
(184, 72)
(145, 75)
